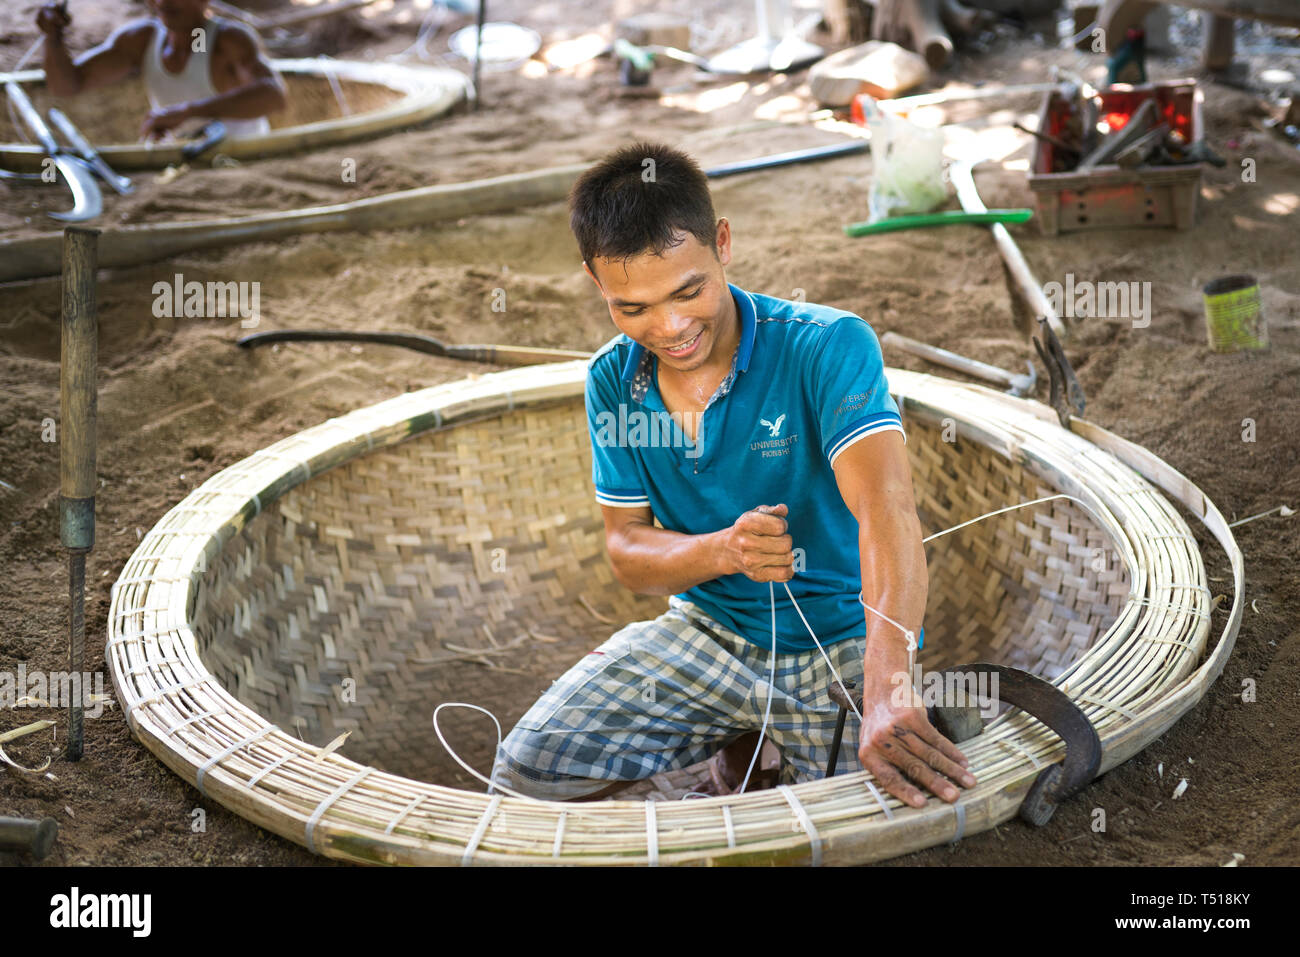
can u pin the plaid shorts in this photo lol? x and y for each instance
(665, 694)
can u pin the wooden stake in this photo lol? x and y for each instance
(77, 448)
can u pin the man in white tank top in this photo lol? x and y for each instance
(196, 68)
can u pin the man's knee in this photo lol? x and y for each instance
(519, 763)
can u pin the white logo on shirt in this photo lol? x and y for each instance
(774, 427)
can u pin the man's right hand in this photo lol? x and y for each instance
(52, 19)
(758, 547)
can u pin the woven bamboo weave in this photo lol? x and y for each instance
(445, 546)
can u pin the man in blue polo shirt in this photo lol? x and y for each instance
(749, 463)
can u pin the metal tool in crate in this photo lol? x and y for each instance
(1121, 156)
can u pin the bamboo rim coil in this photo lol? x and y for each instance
(391, 96)
(258, 576)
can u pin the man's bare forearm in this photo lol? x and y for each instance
(245, 103)
(61, 75)
(656, 561)
(896, 583)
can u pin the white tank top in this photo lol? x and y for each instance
(192, 83)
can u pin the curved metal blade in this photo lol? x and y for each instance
(87, 201)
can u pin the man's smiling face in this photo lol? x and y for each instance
(676, 303)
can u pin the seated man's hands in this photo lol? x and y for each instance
(900, 747)
(163, 120)
(758, 547)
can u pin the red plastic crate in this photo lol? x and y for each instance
(1109, 196)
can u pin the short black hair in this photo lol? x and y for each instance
(639, 199)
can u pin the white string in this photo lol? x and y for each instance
(771, 678)
(428, 30)
(834, 674)
(342, 101)
(908, 634)
(1009, 508)
(456, 757)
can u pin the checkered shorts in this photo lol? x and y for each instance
(665, 694)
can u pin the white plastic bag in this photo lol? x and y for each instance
(908, 165)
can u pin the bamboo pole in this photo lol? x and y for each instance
(132, 245)
(1031, 291)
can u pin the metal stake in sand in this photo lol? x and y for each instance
(77, 448)
(478, 52)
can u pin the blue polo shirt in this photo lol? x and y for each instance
(807, 381)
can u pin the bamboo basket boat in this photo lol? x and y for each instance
(445, 546)
(330, 101)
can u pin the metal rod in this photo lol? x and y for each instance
(1046, 138)
(76, 653)
(835, 742)
(787, 159)
(79, 358)
(478, 50)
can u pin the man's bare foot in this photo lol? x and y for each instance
(727, 768)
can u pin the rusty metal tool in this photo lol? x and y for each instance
(1066, 395)
(1017, 385)
(208, 138)
(1047, 138)
(1039, 699)
(956, 723)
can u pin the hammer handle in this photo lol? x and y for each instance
(981, 370)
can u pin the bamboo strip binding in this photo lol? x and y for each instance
(362, 547)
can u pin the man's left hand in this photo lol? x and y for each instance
(901, 749)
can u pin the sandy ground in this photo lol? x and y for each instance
(178, 402)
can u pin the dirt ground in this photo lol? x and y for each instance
(178, 402)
